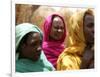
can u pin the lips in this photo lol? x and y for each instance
(37, 55)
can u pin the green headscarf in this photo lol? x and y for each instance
(26, 65)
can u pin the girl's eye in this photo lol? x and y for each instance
(35, 44)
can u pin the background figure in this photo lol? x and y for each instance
(73, 56)
(29, 55)
(54, 35)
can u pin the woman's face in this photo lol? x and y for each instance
(32, 48)
(89, 28)
(57, 29)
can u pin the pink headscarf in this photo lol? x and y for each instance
(52, 48)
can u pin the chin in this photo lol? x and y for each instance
(36, 58)
(57, 38)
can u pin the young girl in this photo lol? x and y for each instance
(29, 54)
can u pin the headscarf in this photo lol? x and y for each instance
(70, 59)
(52, 48)
(26, 65)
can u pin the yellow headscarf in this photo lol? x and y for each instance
(70, 58)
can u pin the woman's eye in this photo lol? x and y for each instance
(36, 44)
(33, 44)
(56, 27)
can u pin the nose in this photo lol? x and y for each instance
(39, 48)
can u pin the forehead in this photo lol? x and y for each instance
(56, 18)
(89, 18)
(34, 36)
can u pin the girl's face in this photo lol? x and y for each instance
(89, 28)
(32, 48)
(57, 29)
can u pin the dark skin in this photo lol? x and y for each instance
(31, 48)
(57, 29)
(88, 55)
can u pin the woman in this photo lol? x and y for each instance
(81, 35)
(53, 39)
(29, 55)
(88, 54)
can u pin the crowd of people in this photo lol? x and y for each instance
(44, 50)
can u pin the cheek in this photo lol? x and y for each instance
(52, 33)
(88, 35)
(88, 32)
(29, 50)
(62, 32)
